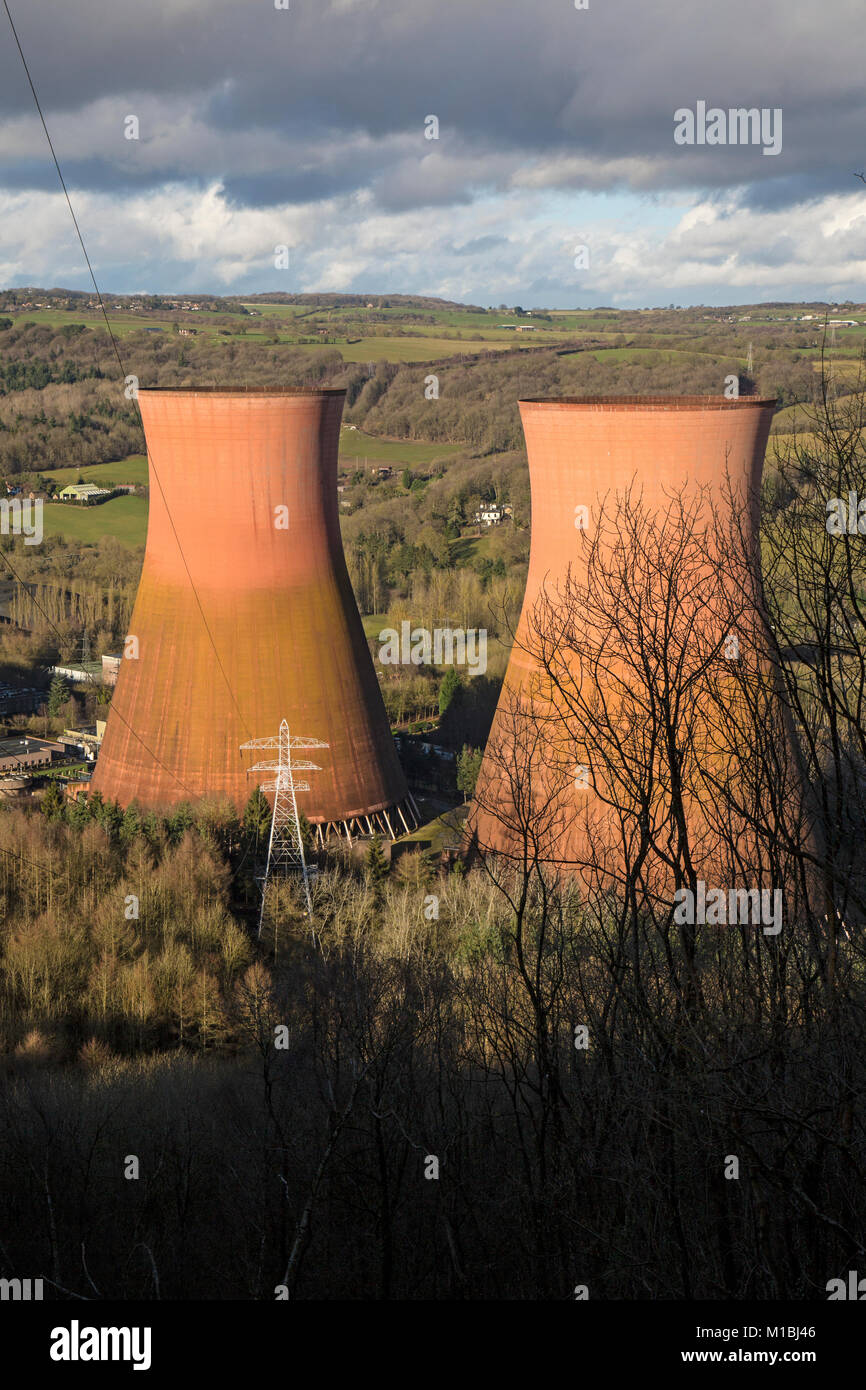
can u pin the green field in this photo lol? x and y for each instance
(843, 368)
(444, 830)
(58, 318)
(801, 417)
(423, 342)
(69, 772)
(373, 624)
(122, 517)
(263, 309)
(555, 320)
(128, 470)
(469, 548)
(421, 349)
(778, 444)
(354, 444)
(630, 354)
(203, 323)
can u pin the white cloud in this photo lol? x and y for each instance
(305, 127)
(180, 236)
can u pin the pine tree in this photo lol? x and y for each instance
(110, 817)
(79, 814)
(307, 835)
(257, 815)
(58, 694)
(180, 820)
(468, 767)
(448, 689)
(52, 802)
(376, 863)
(131, 827)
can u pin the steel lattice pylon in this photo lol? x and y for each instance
(285, 843)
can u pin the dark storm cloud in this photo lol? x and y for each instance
(99, 175)
(799, 188)
(515, 85)
(274, 189)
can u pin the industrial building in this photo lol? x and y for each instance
(111, 668)
(581, 452)
(245, 617)
(20, 752)
(20, 699)
(79, 672)
(86, 741)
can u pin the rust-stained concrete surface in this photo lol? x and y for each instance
(275, 597)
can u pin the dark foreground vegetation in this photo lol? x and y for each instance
(477, 1084)
(287, 1103)
(311, 1166)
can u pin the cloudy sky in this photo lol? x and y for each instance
(307, 127)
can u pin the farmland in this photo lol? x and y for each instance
(354, 444)
(125, 518)
(420, 349)
(64, 414)
(128, 470)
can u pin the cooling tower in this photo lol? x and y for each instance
(245, 616)
(583, 453)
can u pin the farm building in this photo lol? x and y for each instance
(82, 492)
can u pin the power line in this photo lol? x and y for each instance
(20, 859)
(62, 182)
(120, 363)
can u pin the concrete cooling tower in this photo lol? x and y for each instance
(583, 453)
(245, 616)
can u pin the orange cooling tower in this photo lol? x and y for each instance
(245, 616)
(583, 453)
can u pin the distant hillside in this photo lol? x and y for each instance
(231, 303)
(359, 301)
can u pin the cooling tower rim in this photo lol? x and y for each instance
(241, 392)
(651, 402)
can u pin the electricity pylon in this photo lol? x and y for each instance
(286, 843)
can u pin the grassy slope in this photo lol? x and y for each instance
(355, 444)
(126, 517)
(58, 318)
(122, 517)
(423, 349)
(373, 624)
(469, 548)
(128, 470)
